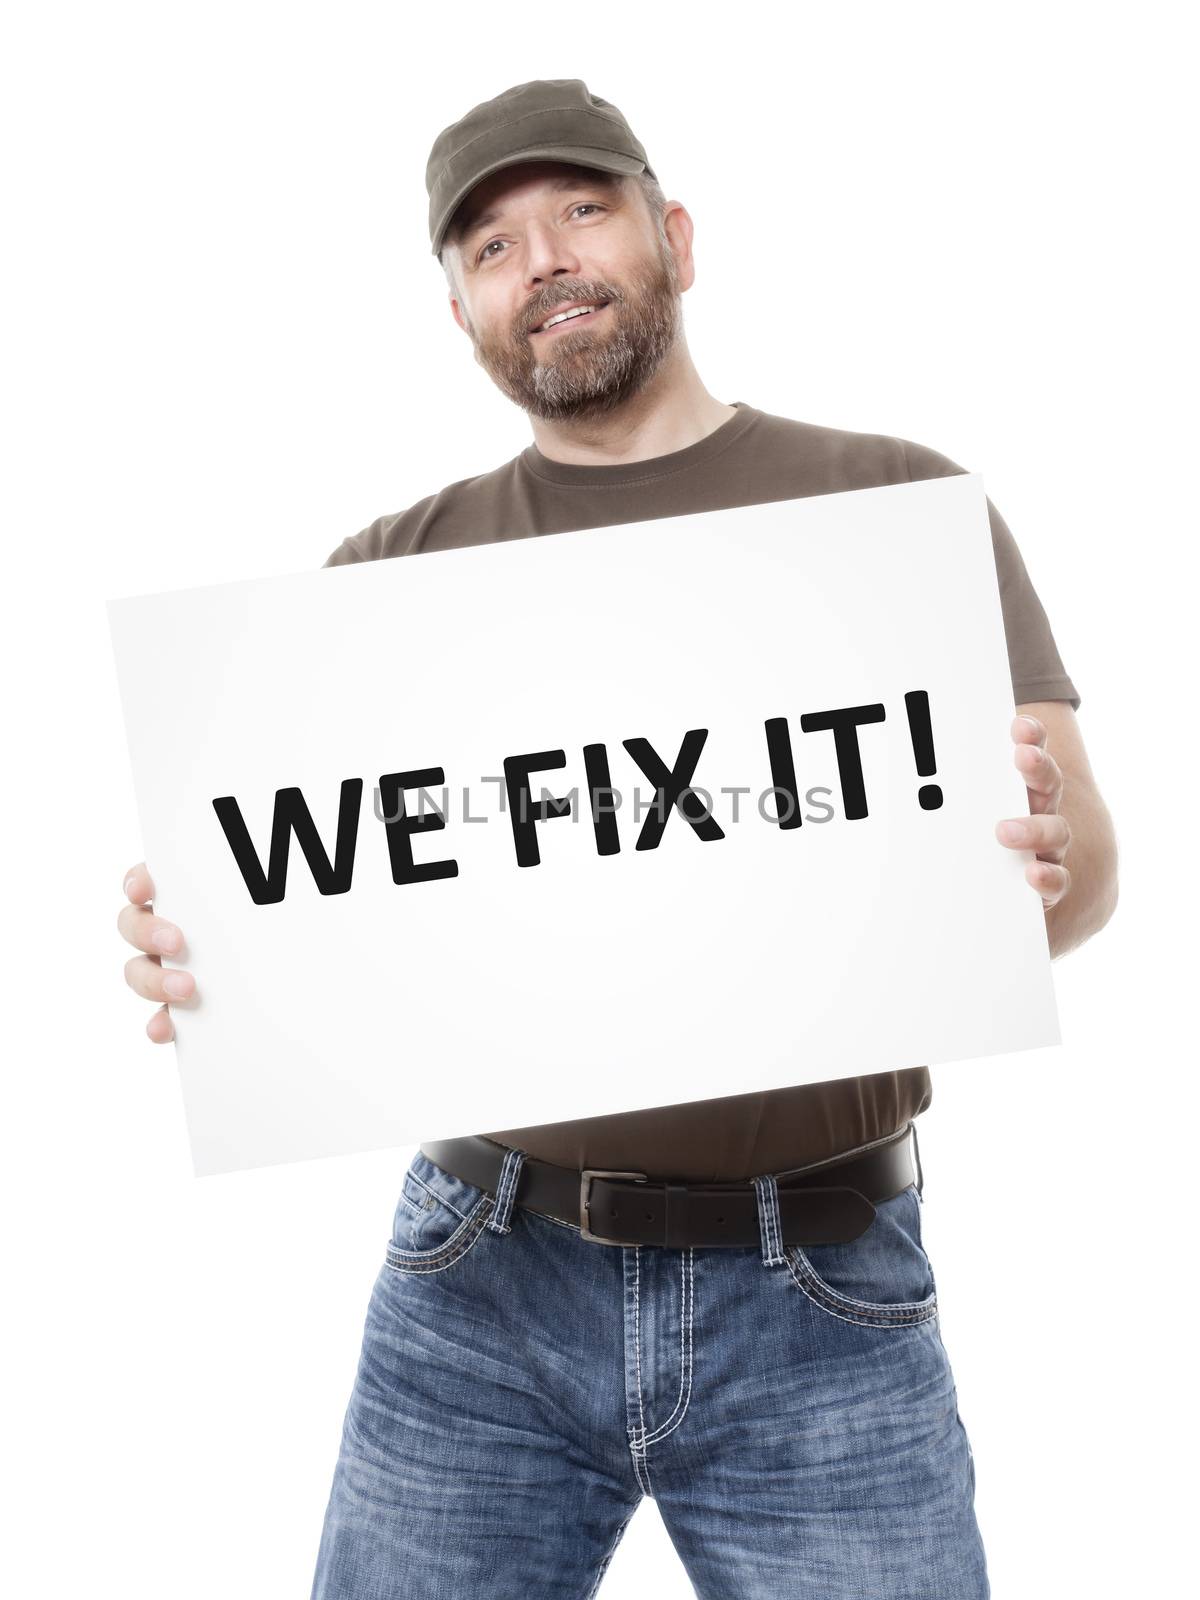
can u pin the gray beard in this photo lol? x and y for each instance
(595, 373)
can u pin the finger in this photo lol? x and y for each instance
(1042, 774)
(154, 982)
(160, 1028)
(1050, 881)
(1028, 729)
(140, 927)
(139, 885)
(1048, 835)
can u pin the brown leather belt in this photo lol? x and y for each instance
(827, 1202)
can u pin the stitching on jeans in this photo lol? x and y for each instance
(687, 1301)
(509, 1173)
(637, 1347)
(765, 1217)
(849, 1299)
(684, 1328)
(512, 1165)
(637, 1331)
(447, 1253)
(638, 1461)
(768, 1221)
(440, 1197)
(407, 1265)
(877, 1317)
(844, 1308)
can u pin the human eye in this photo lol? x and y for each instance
(581, 205)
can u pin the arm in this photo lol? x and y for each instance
(1069, 825)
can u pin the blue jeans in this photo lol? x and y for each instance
(521, 1389)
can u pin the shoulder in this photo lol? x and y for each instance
(852, 458)
(924, 462)
(417, 527)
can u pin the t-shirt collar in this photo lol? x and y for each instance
(653, 467)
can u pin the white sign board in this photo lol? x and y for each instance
(348, 794)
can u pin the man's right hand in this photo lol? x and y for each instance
(157, 937)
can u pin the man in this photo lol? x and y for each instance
(573, 1316)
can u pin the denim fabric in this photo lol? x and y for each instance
(521, 1389)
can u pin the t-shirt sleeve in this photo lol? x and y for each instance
(1033, 659)
(356, 548)
(396, 534)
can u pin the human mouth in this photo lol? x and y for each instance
(568, 317)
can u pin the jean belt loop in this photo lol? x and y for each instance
(506, 1188)
(770, 1232)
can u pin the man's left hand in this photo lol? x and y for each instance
(1045, 831)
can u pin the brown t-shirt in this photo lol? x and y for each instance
(753, 457)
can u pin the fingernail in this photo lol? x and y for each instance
(1013, 832)
(128, 881)
(164, 938)
(177, 985)
(1032, 721)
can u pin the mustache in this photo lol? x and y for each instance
(585, 293)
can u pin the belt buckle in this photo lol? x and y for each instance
(585, 1181)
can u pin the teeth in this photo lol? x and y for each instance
(579, 311)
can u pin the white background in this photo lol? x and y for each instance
(227, 346)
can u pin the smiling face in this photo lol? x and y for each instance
(539, 237)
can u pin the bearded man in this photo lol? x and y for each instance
(574, 1316)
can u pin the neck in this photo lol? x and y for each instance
(673, 411)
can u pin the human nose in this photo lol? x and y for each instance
(549, 254)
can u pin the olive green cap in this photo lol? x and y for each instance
(549, 119)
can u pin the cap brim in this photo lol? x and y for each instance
(573, 155)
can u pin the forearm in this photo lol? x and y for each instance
(1091, 860)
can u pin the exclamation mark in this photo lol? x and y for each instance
(916, 703)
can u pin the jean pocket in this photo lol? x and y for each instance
(438, 1218)
(882, 1279)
